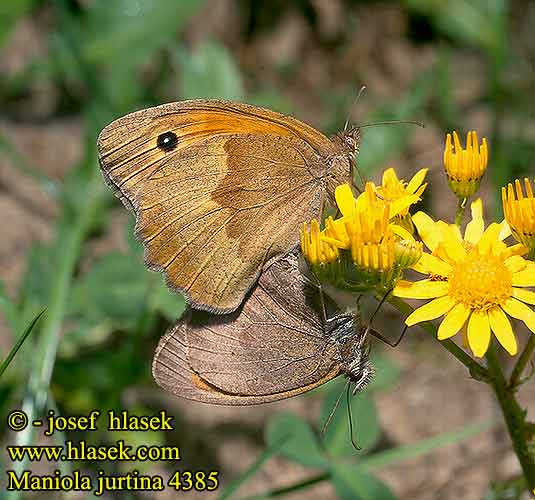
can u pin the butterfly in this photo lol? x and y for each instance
(219, 190)
(277, 345)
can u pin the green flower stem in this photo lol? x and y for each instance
(478, 371)
(514, 415)
(461, 206)
(523, 360)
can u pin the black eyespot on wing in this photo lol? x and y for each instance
(167, 141)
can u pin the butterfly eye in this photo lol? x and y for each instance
(167, 141)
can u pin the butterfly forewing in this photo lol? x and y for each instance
(219, 190)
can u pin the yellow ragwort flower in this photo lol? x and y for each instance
(399, 193)
(314, 249)
(465, 167)
(519, 213)
(474, 282)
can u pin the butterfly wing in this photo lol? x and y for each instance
(227, 200)
(273, 348)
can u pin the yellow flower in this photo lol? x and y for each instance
(474, 282)
(313, 247)
(519, 213)
(399, 193)
(465, 167)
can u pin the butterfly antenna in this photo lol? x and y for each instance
(350, 112)
(350, 418)
(392, 122)
(335, 407)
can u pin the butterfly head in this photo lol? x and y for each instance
(349, 142)
(353, 345)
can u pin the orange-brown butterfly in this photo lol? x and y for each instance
(278, 344)
(219, 189)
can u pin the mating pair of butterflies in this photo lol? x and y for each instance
(219, 190)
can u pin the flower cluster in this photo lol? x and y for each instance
(473, 279)
(366, 248)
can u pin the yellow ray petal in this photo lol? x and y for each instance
(526, 296)
(515, 263)
(474, 229)
(520, 311)
(505, 230)
(431, 310)
(429, 264)
(417, 180)
(450, 243)
(489, 238)
(453, 321)
(517, 249)
(427, 229)
(390, 178)
(401, 232)
(479, 333)
(403, 203)
(424, 289)
(345, 200)
(501, 327)
(525, 277)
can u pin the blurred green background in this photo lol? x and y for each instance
(69, 67)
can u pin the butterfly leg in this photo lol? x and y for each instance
(375, 333)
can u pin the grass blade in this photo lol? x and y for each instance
(19, 343)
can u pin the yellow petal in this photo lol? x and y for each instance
(450, 245)
(515, 263)
(479, 333)
(429, 264)
(431, 310)
(520, 311)
(417, 180)
(401, 232)
(457, 231)
(345, 200)
(490, 238)
(501, 327)
(505, 230)
(526, 296)
(474, 229)
(453, 321)
(517, 249)
(424, 289)
(402, 204)
(390, 178)
(525, 277)
(426, 229)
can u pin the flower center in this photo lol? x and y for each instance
(480, 281)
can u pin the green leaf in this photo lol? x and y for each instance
(170, 304)
(352, 483)
(387, 457)
(127, 31)
(115, 287)
(366, 430)
(209, 71)
(299, 441)
(481, 23)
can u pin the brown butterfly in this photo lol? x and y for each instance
(277, 345)
(219, 189)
